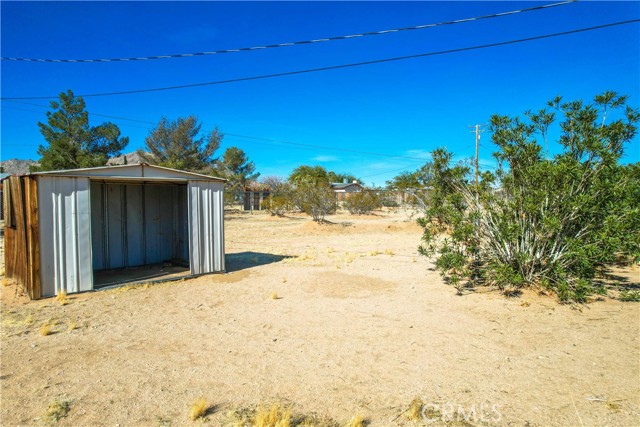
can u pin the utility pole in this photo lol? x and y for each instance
(478, 131)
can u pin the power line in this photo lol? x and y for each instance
(336, 67)
(303, 146)
(278, 45)
(324, 147)
(263, 141)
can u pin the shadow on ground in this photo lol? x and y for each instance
(244, 260)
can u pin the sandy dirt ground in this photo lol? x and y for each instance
(361, 325)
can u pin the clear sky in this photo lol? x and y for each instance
(402, 108)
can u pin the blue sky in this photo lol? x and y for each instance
(403, 108)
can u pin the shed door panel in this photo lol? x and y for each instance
(206, 227)
(65, 234)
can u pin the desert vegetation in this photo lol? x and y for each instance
(556, 222)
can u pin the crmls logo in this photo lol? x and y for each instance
(434, 413)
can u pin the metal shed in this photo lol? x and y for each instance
(64, 227)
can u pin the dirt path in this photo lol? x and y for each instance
(362, 325)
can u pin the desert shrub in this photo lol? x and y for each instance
(317, 200)
(362, 202)
(278, 204)
(280, 198)
(552, 222)
(56, 411)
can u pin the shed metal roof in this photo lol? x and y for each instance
(142, 171)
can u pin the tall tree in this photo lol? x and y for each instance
(309, 175)
(341, 177)
(175, 144)
(72, 143)
(236, 167)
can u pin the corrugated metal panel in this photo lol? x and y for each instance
(134, 225)
(65, 234)
(206, 227)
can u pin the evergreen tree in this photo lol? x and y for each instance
(175, 144)
(72, 143)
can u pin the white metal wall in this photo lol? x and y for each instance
(64, 217)
(206, 226)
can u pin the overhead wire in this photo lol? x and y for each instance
(335, 67)
(303, 42)
(307, 147)
(263, 141)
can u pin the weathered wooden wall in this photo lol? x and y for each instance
(21, 237)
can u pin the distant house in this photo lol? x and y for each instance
(343, 189)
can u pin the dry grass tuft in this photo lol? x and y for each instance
(357, 421)
(374, 253)
(56, 411)
(414, 413)
(198, 408)
(28, 320)
(72, 326)
(349, 257)
(389, 252)
(6, 282)
(274, 295)
(46, 329)
(276, 416)
(62, 298)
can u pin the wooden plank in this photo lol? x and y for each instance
(18, 251)
(33, 239)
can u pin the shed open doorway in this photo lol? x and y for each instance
(139, 231)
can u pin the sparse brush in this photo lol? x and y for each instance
(374, 253)
(357, 421)
(276, 416)
(414, 413)
(28, 320)
(198, 409)
(630, 296)
(274, 295)
(57, 410)
(389, 252)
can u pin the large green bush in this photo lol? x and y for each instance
(553, 222)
